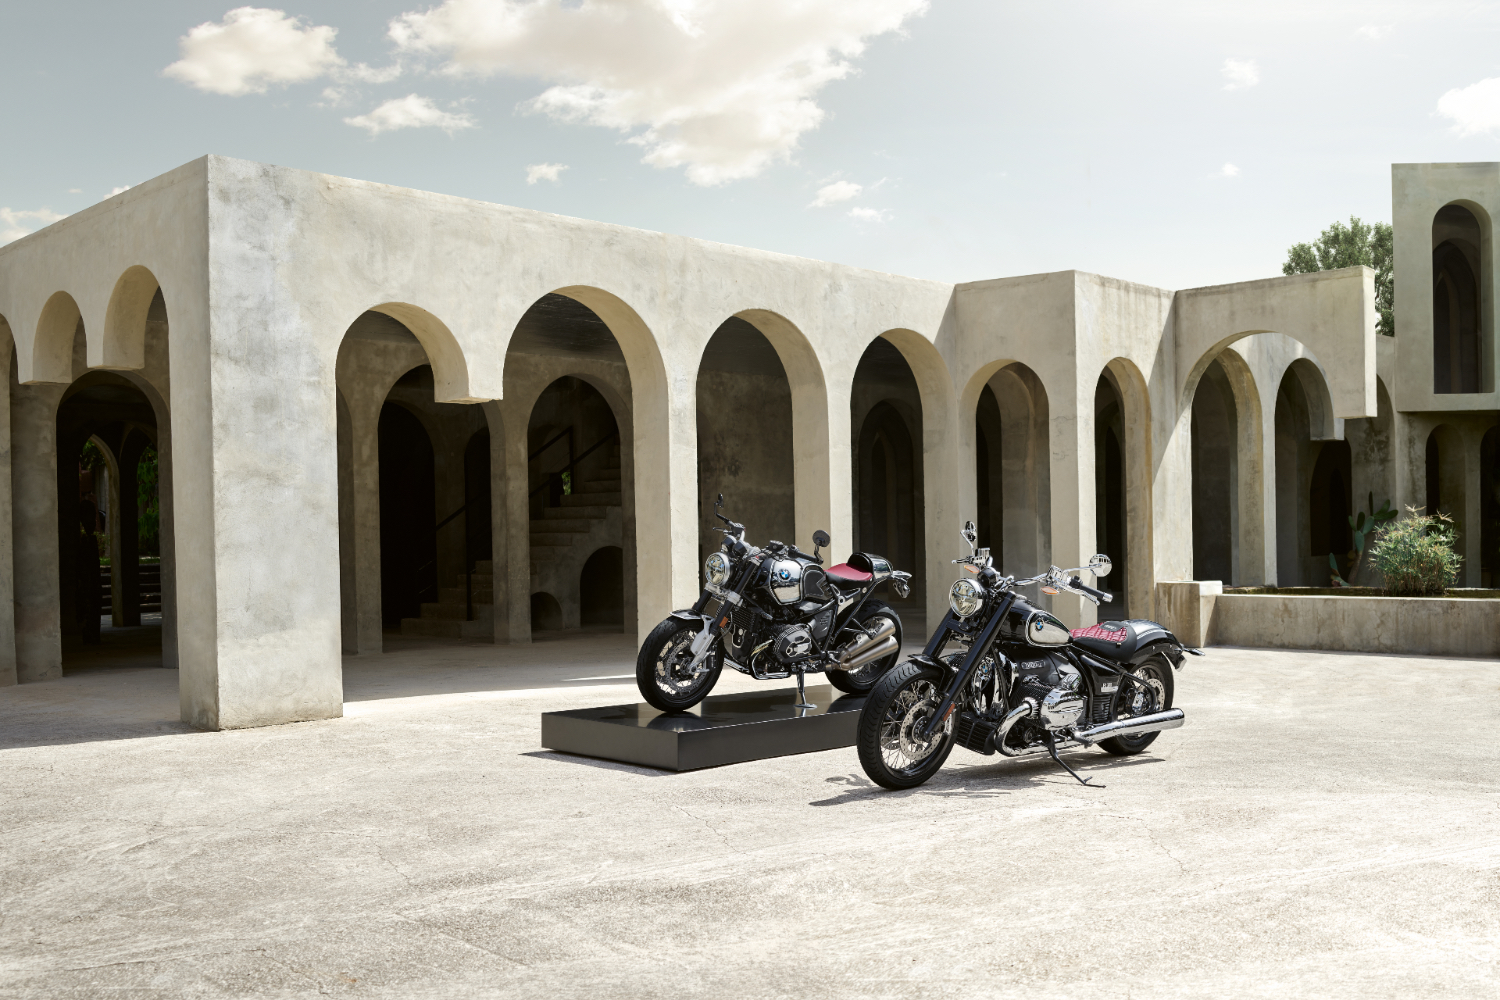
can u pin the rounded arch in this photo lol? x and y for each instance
(1132, 469)
(546, 613)
(660, 430)
(1322, 424)
(450, 369)
(53, 346)
(601, 588)
(123, 345)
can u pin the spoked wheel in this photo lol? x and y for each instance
(662, 670)
(871, 616)
(1132, 701)
(891, 752)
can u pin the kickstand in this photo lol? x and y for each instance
(1052, 749)
(802, 701)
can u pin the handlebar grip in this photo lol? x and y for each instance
(1102, 595)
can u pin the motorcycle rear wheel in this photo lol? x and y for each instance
(862, 680)
(889, 750)
(660, 668)
(1156, 671)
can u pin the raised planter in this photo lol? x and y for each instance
(1309, 618)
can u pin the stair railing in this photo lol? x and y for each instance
(554, 476)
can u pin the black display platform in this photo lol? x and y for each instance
(722, 729)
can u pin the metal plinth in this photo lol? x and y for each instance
(722, 729)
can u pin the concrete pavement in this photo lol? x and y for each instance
(1305, 835)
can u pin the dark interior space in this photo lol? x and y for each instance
(408, 515)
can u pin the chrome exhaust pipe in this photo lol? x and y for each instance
(1172, 718)
(866, 651)
(1028, 709)
(846, 657)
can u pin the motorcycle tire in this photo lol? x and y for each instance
(1157, 672)
(884, 739)
(862, 680)
(658, 670)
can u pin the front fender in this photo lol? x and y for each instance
(688, 617)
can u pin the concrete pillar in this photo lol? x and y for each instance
(510, 510)
(34, 521)
(1026, 464)
(364, 520)
(1070, 435)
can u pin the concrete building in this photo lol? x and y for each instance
(376, 408)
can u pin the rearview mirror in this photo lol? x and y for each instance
(820, 538)
(1100, 565)
(970, 533)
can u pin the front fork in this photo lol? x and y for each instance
(965, 670)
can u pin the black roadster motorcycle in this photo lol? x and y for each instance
(1020, 682)
(772, 613)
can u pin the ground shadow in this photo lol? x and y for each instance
(991, 779)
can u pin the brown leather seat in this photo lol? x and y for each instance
(844, 573)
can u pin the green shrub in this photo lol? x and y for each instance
(1416, 556)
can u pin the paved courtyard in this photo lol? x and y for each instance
(1326, 825)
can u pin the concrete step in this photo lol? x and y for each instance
(573, 512)
(451, 610)
(455, 595)
(447, 629)
(596, 486)
(591, 500)
(559, 525)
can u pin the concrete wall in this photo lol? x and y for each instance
(1425, 626)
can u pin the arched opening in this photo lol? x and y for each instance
(408, 512)
(1489, 508)
(546, 613)
(413, 511)
(1110, 501)
(745, 444)
(479, 527)
(889, 514)
(1447, 485)
(601, 590)
(1215, 464)
(989, 475)
(1328, 509)
(91, 461)
(108, 524)
(1457, 316)
(575, 491)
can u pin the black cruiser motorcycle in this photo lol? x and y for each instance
(774, 613)
(1020, 682)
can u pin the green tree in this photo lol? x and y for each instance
(1359, 242)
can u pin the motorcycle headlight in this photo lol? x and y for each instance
(716, 569)
(965, 597)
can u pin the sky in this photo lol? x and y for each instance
(1175, 144)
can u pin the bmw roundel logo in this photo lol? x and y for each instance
(784, 573)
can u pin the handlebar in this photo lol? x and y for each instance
(1098, 595)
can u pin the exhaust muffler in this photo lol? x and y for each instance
(882, 644)
(1172, 718)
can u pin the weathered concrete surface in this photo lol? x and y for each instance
(1420, 626)
(1288, 842)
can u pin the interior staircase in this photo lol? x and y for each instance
(554, 537)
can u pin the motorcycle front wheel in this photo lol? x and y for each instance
(661, 669)
(889, 749)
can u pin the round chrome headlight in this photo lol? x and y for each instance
(965, 597)
(716, 569)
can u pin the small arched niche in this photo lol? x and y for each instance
(1459, 331)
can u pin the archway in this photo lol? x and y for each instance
(1111, 527)
(989, 475)
(408, 513)
(745, 440)
(1215, 465)
(1446, 480)
(91, 459)
(886, 416)
(1489, 508)
(1328, 509)
(546, 613)
(601, 590)
(410, 551)
(1457, 313)
(575, 493)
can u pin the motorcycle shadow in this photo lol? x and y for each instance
(991, 779)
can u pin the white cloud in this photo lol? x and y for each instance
(544, 172)
(14, 224)
(1374, 32)
(723, 88)
(75, 190)
(1229, 170)
(1473, 109)
(869, 214)
(119, 190)
(251, 49)
(410, 111)
(1240, 73)
(832, 194)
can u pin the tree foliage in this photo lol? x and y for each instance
(1357, 243)
(1416, 556)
